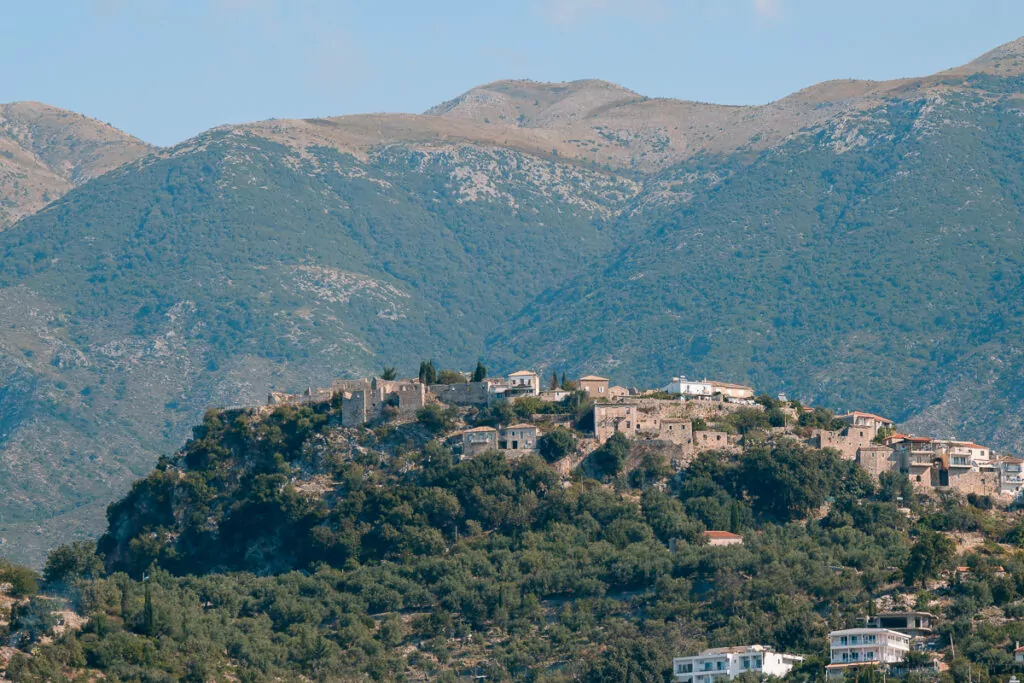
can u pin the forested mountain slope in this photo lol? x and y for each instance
(234, 265)
(876, 262)
(856, 243)
(45, 151)
(278, 545)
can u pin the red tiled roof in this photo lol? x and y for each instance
(872, 415)
(722, 535)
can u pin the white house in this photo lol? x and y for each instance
(687, 387)
(523, 383)
(855, 647)
(1011, 475)
(730, 662)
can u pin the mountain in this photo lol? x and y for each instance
(856, 243)
(45, 151)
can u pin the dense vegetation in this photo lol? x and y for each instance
(236, 266)
(283, 546)
(872, 262)
(876, 263)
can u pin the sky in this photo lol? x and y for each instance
(164, 70)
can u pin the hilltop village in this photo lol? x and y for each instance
(679, 420)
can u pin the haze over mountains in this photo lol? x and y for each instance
(857, 244)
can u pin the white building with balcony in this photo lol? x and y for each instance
(726, 663)
(854, 647)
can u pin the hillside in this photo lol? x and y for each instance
(279, 545)
(868, 262)
(571, 226)
(45, 151)
(233, 265)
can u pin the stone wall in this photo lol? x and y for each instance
(846, 442)
(983, 482)
(877, 459)
(468, 394)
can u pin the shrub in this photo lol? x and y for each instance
(556, 444)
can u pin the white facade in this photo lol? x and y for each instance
(964, 453)
(729, 662)
(688, 387)
(524, 382)
(1011, 475)
(859, 646)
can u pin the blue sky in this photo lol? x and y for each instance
(166, 69)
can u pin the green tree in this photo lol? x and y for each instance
(554, 380)
(69, 562)
(609, 459)
(24, 582)
(436, 417)
(480, 374)
(450, 377)
(388, 373)
(928, 555)
(428, 373)
(556, 444)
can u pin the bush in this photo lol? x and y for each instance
(24, 582)
(556, 444)
(72, 561)
(437, 418)
(611, 457)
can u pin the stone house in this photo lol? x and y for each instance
(868, 420)
(714, 441)
(678, 431)
(942, 464)
(876, 458)
(369, 402)
(739, 392)
(479, 440)
(610, 418)
(519, 437)
(846, 442)
(595, 386)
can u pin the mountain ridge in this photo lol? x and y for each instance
(281, 254)
(45, 151)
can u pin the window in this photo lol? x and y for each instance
(869, 655)
(757, 662)
(746, 662)
(719, 665)
(854, 656)
(842, 640)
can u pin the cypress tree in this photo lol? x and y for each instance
(480, 374)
